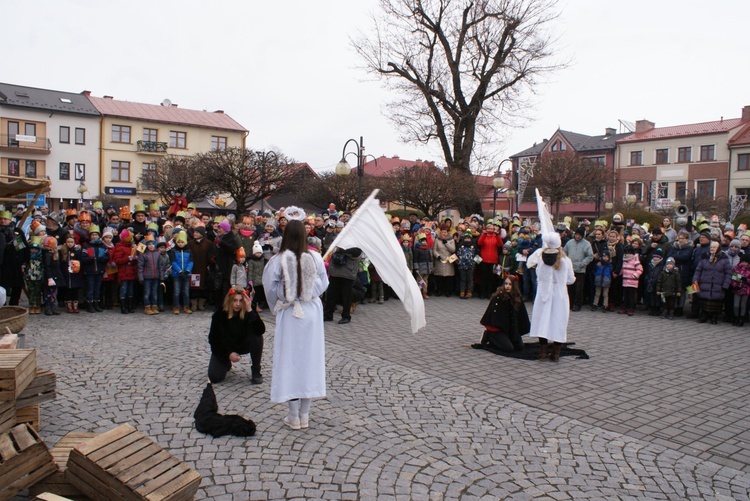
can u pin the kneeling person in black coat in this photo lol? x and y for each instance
(505, 319)
(236, 329)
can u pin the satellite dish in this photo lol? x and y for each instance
(166, 103)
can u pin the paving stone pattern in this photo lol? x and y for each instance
(659, 411)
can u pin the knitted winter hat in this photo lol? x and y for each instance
(108, 232)
(240, 253)
(257, 249)
(224, 225)
(126, 236)
(670, 260)
(735, 243)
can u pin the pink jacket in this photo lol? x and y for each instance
(631, 270)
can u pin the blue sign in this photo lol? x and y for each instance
(119, 190)
(42, 200)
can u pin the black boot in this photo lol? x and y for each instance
(678, 312)
(90, 307)
(98, 306)
(48, 310)
(703, 317)
(53, 309)
(131, 305)
(714, 318)
(123, 307)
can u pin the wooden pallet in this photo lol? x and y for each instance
(125, 464)
(24, 460)
(29, 414)
(7, 416)
(17, 370)
(41, 389)
(59, 482)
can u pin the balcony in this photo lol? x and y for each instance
(16, 143)
(151, 147)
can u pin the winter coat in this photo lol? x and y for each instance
(182, 261)
(489, 247)
(95, 258)
(126, 261)
(713, 278)
(652, 275)
(255, 268)
(350, 268)
(150, 266)
(683, 260)
(422, 250)
(110, 267)
(669, 283)
(631, 271)
(408, 254)
(12, 258)
(201, 254)
(71, 280)
(239, 276)
(35, 266)
(741, 279)
(603, 274)
(52, 268)
(442, 250)
(226, 250)
(508, 265)
(698, 254)
(580, 254)
(466, 253)
(662, 243)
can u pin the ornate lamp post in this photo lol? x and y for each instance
(511, 195)
(82, 188)
(343, 168)
(498, 183)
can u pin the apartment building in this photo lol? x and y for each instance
(49, 133)
(135, 135)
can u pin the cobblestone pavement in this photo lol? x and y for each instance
(659, 411)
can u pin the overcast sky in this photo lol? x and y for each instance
(284, 69)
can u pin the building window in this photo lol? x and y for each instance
(636, 158)
(29, 129)
(743, 161)
(662, 156)
(743, 192)
(684, 153)
(150, 135)
(147, 169)
(120, 171)
(120, 134)
(30, 168)
(594, 160)
(707, 153)
(80, 173)
(680, 190)
(663, 190)
(64, 134)
(635, 189)
(80, 136)
(177, 139)
(218, 143)
(14, 168)
(705, 189)
(65, 171)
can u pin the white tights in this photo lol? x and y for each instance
(298, 406)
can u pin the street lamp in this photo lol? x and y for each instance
(609, 205)
(343, 168)
(511, 195)
(82, 188)
(498, 183)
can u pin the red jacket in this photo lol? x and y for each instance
(489, 247)
(127, 269)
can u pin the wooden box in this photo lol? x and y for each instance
(41, 389)
(30, 415)
(17, 370)
(59, 482)
(7, 416)
(24, 460)
(125, 464)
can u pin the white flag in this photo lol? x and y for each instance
(369, 230)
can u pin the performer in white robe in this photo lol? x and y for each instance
(549, 319)
(299, 341)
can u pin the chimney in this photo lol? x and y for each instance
(219, 111)
(86, 93)
(108, 97)
(746, 114)
(643, 126)
(609, 131)
(395, 157)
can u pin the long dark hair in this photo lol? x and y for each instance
(295, 240)
(514, 296)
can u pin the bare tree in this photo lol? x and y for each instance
(562, 176)
(340, 190)
(246, 175)
(458, 67)
(177, 173)
(430, 189)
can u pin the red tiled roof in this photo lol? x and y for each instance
(715, 127)
(383, 165)
(172, 114)
(742, 137)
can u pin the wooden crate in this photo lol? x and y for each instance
(7, 416)
(41, 389)
(30, 415)
(24, 460)
(59, 482)
(125, 464)
(17, 370)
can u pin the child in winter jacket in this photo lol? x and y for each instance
(35, 275)
(741, 288)
(466, 252)
(238, 279)
(654, 268)
(127, 270)
(70, 262)
(602, 281)
(669, 287)
(150, 272)
(255, 266)
(631, 271)
(165, 263)
(95, 258)
(182, 268)
(52, 274)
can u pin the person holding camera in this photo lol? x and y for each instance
(236, 329)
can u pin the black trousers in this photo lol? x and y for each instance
(575, 290)
(339, 292)
(217, 368)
